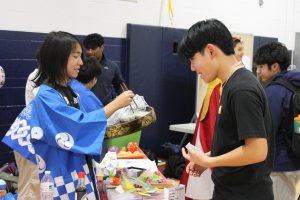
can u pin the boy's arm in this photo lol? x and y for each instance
(255, 150)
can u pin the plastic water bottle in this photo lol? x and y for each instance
(2, 189)
(292, 67)
(297, 124)
(47, 186)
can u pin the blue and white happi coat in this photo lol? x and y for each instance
(57, 137)
(90, 101)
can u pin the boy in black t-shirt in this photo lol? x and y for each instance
(243, 143)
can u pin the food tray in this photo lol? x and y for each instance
(131, 126)
(129, 155)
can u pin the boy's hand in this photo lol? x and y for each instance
(194, 169)
(196, 156)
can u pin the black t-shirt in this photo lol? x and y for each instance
(243, 113)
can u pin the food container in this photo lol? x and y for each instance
(131, 126)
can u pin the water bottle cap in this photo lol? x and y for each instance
(81, 174)
(2, 184)
(47, 172)
(297, 118)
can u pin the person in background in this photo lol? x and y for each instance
(108, 84)
(242, 151)
(30, 90)
(28, 180)
(272, 61)
(239, 49)
(85, 81)
(202, 139)
(53, 130)
(87, 78)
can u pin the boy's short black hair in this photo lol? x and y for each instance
(210, 31)
(90, 69)
(93, 41)
(274, 52)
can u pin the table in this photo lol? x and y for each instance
(109, 193)
(187, 128)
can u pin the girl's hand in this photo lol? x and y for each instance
(124, 99)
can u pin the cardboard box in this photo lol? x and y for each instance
(175, 193)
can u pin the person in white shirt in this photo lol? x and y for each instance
(29, 182)
(30, 90)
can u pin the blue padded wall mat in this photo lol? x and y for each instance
(260, 41)
(155, 72)
(17, 57)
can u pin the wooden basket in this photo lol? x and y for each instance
(131, 126)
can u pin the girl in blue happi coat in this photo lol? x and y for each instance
(54, 131)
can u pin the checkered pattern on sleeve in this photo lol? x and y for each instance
(66, 190)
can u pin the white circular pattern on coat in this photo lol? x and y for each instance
(64, 140)
(41, 163)
(37, 133)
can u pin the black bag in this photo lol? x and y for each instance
(174, 167)
(150, 155)
(168, 149)
(294, 141)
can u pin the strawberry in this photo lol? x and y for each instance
(132, 147)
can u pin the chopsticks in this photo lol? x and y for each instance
(125, 88)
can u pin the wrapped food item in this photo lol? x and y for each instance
(108, 166)
(137, 109)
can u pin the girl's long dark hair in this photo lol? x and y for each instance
(53, 58)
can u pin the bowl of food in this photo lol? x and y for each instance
(138, 122)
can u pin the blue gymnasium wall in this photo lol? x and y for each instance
(146, 56)
(260, 41)
(17, 57)
(155, 72)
